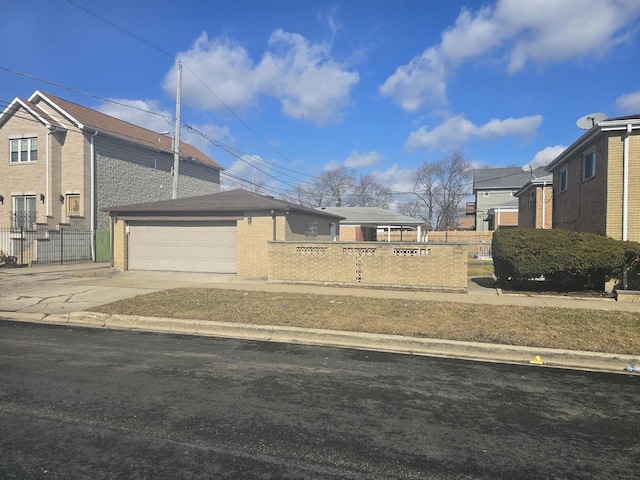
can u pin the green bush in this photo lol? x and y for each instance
(564, 259)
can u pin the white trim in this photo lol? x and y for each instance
(53, 105)
(625, 185)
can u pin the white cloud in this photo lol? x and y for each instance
(247, 170)
(546, 156)
(457, 130)
(304, 77)
(148, 114)
(396, 178)
(518, 33)
(629, 102)
(422, 80)
(144, 113)
(357, 160)
(332, 165)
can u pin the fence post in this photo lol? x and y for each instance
(61, 246)
(21, 246)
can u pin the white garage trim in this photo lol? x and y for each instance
(183, 246)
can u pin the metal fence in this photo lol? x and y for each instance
(22, 247)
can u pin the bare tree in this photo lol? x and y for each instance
(369, 193)
(412, 208)
(442, 186)
(340, 187)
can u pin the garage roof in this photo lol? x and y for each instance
(371, 216)
(229, 202)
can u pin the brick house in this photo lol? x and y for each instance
(370, 224)
(494, 190)
(535, 206)
(61, 164)
(596, 181)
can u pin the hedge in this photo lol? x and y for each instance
(571, 260)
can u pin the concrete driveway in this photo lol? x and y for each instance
(62, 289)
(59, 289)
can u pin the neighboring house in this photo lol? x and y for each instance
(596, 181)
(536, 203)
(370, 224)
(62, 163)
(494, 190)
(468, 220)
(225, 232)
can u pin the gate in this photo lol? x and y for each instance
(22, 247)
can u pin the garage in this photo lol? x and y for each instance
(186, 246)
(226, 232)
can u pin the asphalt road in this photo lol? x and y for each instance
(98, 404)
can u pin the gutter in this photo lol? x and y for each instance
(92, 191)
(544, 186)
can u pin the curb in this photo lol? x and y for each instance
(485, 352)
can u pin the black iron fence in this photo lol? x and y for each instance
(24, 247)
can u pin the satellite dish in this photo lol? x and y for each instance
(590, 120)
(533, 165)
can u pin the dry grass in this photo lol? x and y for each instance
(574, 329)
(479, 268)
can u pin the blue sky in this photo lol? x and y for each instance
(295, 87)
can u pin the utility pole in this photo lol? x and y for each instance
(176, 138)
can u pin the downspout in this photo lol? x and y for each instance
(93, 197)
(273, 217)
(625, 185)
(46, 174)
(625, 200)
(544, 217)
(48, 187)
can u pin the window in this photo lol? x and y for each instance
(73, 204)
(154, 162)
(486, 194)
(311, 230)
(564, 179)
(532, 199)
(589, 165)
(24, 212)
(24, 150)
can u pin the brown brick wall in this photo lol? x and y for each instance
(22, 178)
(582, 206)
(252, 243)
(253, 238)
(119, 245)
(614, 219)
(634, 187)
(350, 233)
(437, 266)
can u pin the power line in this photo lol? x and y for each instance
(59, 85)
(245, 124)
(121, 29)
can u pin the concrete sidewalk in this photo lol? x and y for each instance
(60, 294)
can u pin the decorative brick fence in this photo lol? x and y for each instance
(422, 265)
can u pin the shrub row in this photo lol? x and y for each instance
(571, 260)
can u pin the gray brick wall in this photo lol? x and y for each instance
(125, 174)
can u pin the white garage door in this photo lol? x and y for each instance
(183, 246)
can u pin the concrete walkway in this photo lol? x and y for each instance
(60, 294)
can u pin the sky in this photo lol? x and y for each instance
(279, 91)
